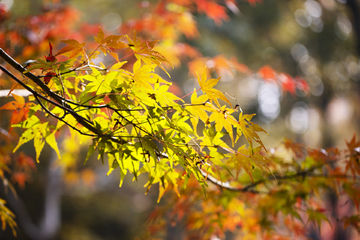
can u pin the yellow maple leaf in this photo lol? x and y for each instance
(248, 129)
(247, 158)
(207, 87)
(198, 110)
(242, 160)
(144, 51)
(223, 119)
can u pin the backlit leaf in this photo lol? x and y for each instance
(73, 48)
(143, 51)
(207, 87)
(50, 139)
(39, 139)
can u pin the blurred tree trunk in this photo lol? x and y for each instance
(50, 224)
(353, 6)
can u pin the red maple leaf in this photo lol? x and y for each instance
(48, 77)
(302, 84)
(288, 83)
(25, 162)
(50, 57)
(212, 10)
(253, 2)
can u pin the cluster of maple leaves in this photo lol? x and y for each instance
(128, 107)
(143, 91)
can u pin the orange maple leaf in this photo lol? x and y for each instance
(267, 73)
(212, 10)
(353, 163)
(112, 41)
(21, 109)
(73, 48)
(20, 178)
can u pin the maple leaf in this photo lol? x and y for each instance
(207, 87)
(246, 158)
(40, 64)
(353, 191)
(353, 144)
(223, 119)
(267, 73)
(260, 160)
(21, 109)
(99, 83)
(112, 41)
(6, 216)
(144, 52)
(25, 162)
(13, 105)
(352, 221)
(288, 83)
(297, 148)
(73, 48)
(249, 129)
(212, 10)
(353, 163)
(50, 57)
(48, 77)
(284, 80)
(213, 138)
(187, 25)
(198, 111)
(164, 97)
(100, 36)
(143, 75)
(20, 178)
(197, 65)
(223, 67)
(241, 161)
(16, 85)
(317, 216)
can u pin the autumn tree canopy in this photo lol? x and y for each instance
(110, 91)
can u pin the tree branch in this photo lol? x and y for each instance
(61, 103)
(303, 174)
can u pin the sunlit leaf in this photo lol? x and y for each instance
(50, 139)
(207, 87)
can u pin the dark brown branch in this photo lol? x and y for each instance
(29, 88)
(226, 185)
(61, 119)
(46, 89)
(303, 174)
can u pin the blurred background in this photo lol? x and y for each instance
(318, 41)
